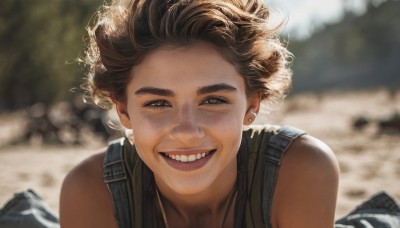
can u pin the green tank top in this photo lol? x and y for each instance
(259, 157)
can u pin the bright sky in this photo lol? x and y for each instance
(305, 15)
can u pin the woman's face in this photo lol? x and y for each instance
(186, 107)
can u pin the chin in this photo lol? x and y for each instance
(189, 187)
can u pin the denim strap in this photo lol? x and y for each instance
(115, 177)
(277, 146)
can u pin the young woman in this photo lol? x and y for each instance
(187, 77)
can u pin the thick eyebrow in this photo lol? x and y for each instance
(222, 87)
(155, 91)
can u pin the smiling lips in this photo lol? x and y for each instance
(188, 160)
(188, 157)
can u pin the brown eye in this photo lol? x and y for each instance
(215, 101)
(157, 104)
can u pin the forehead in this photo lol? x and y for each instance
(197, 64)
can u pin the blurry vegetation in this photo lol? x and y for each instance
(360, 51)
(39, 43)
(40, 40)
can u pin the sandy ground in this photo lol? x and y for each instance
(369, 160)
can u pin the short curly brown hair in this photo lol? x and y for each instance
(125, 31)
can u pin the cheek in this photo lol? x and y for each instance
(148, 124)
(231, 118)
(227, 123)
(144, 123)
(227, 127)
(148, 131)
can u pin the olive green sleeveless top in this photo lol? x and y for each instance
(132, 185)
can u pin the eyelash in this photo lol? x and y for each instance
(157, 104)
(160, 104)
(217, 101)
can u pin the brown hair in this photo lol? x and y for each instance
(126, 31)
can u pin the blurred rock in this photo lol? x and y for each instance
(65, 123)
(390, 124)
(360, 122)
(385, 125)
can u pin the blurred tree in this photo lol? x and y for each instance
(360, 51)
(39, 42)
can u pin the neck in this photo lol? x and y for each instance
(210, 204)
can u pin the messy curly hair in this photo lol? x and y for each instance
(126, 30)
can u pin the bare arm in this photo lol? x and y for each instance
(85, 200)
(307, 186)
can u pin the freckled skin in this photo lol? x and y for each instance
(186, 122)
(171, 114)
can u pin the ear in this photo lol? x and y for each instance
(253, 107)
(123, 115)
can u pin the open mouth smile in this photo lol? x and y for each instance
(189, 157)
(186, 162)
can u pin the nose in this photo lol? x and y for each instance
(187, 126)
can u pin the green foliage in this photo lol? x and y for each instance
(39, 43)
(357, 52)
(41, 39)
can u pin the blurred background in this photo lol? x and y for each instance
(346, 91)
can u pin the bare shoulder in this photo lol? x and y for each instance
(85, 200)
(311, 153)
(307, 185)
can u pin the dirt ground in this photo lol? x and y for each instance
(369, 159)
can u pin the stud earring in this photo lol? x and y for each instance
(251, 119)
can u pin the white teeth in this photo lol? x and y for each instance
(184, 158)
(191, 158)
(187, 158)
